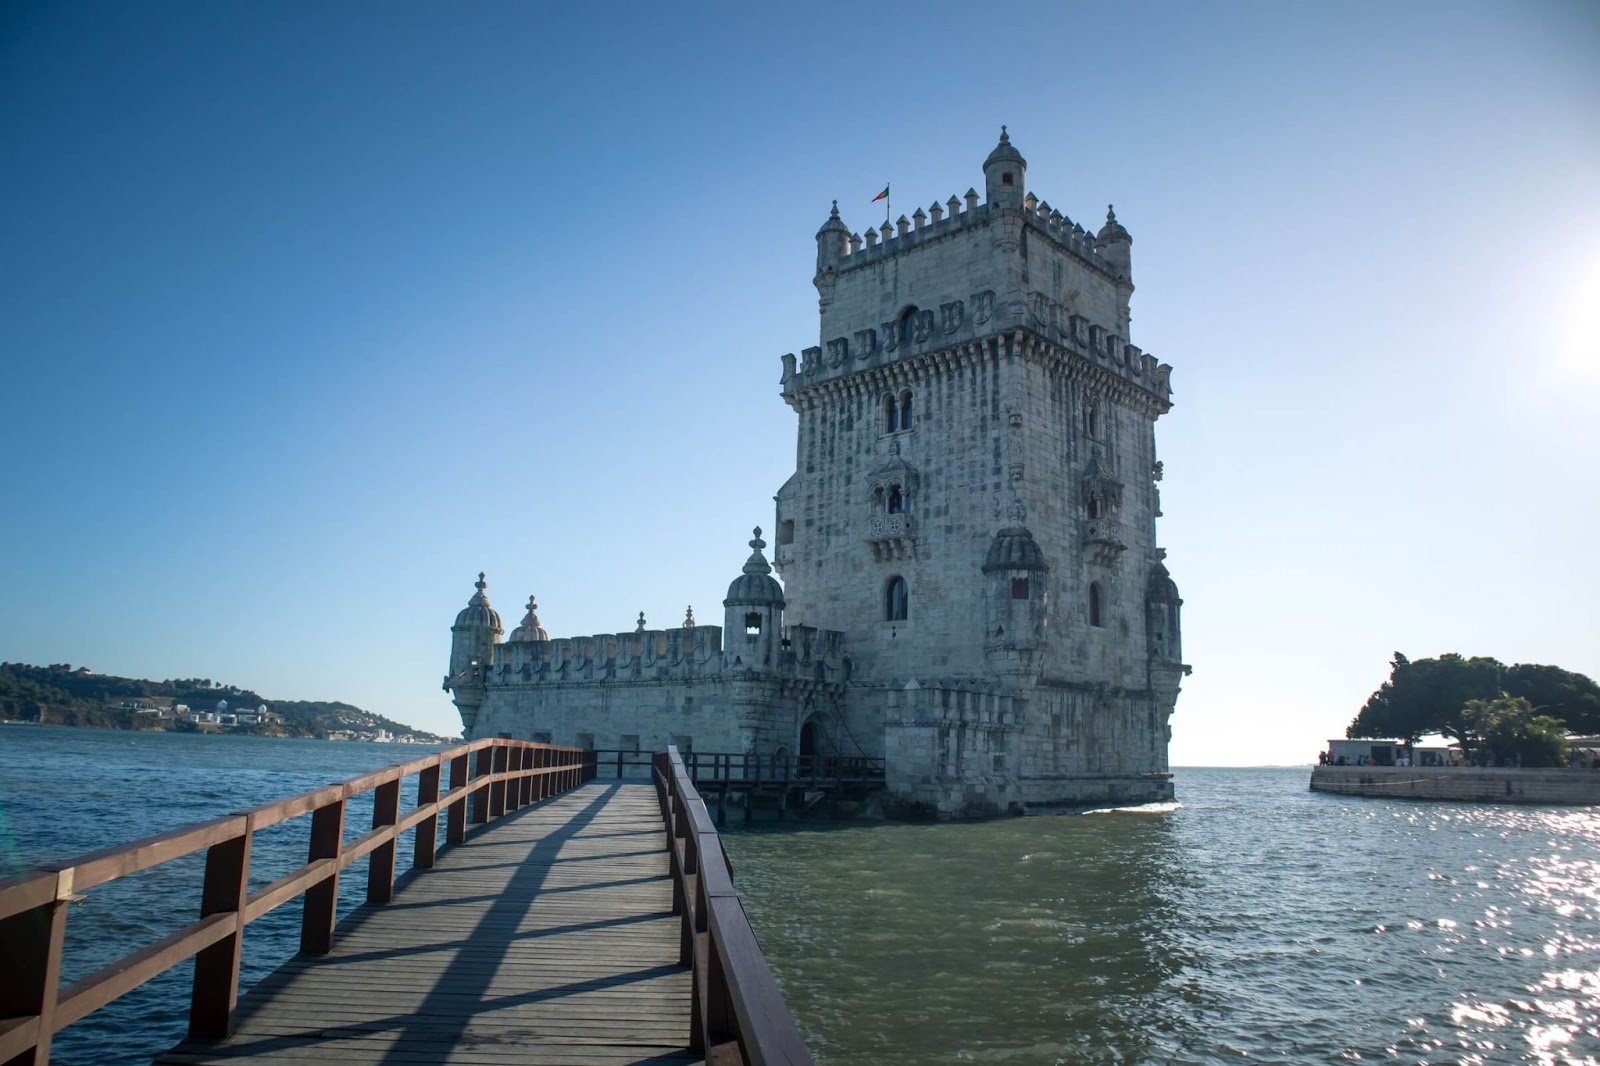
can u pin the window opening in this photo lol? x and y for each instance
(1019, 588)
(752, 624)
(1090, 421)
(907, 332)
(786, 531)
(1094, 507)
(1094, 605)
(905, 410)
(896, 501)
(890, 415)
(895, 598)
(1006, 179)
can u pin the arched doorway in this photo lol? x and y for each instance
(810, 739)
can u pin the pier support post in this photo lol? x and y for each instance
(30, 949)
(426, 840)
(380, 864)
(322, 899)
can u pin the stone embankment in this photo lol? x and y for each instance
(1462, 784)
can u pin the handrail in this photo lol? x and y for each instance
(737, 1012)
(487, 778)
(736, 767)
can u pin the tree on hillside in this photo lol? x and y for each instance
(1508, 728)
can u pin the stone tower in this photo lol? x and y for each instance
(974, 502)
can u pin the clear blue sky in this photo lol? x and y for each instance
(308, 312)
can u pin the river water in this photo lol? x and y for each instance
(1252, 921)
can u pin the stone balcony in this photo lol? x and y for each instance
(1102, 541)
(892, 536)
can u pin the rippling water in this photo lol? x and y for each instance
(1254, 920)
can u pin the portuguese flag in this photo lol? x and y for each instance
(884, 195)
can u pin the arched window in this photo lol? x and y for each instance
(897, 501)
(1094, 507)
(877, 499)
(894, 600)
(891, 415)
(908, 318)
(1095, 610)
(905, 409)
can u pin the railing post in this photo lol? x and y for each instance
(426, 838)
(619, 764)
(30, 946)
(455, 822)
(482, 766)
(321, 908)
(497, 791)
(215, 992)
(380, 864)
(530, 784)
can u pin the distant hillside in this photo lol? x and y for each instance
(60, 694)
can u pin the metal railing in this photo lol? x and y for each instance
(737, 1013)
(487, 778)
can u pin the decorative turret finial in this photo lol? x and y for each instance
(688, 618)
(1005, 138)
(1111, 213)
(835, 212)
(533, 608)
(757, 563)
(480, 584)
(640, 629)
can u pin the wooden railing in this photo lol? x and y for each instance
(487, 778)
(737, 1014)
(749, 768)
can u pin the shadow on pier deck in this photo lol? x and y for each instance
(565, 930)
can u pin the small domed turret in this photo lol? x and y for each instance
(1003, 174)
(477, 612)
(1163, 624)
(756, 586)
(530, 629)
(1014, 548)
(753, 612)
(833, 241)
(1115, 243)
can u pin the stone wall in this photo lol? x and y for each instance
(1461, 784)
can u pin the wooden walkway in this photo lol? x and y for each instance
(547, 938)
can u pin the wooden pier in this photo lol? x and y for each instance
(568, 920)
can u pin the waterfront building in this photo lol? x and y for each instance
(972, 588)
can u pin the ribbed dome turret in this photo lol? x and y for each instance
(835, 224)
(530, 629)
(1161, 589)
(756, 586)
(477, 612)
(1005, 152)
(1014, 548)
(1112, 230)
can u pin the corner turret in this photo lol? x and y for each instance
(753, 612)
(1004, 174)
(1115, 243)
(833, 241)
(472, 641)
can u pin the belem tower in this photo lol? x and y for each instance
(971, 590)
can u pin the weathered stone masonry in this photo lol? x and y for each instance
(972, 587)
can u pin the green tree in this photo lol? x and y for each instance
(1427, 696)
(1509, 728)
(1573, 698)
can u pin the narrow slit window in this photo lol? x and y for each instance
(905, 410)
(891, 415)
(1095, 605)
(897, 502)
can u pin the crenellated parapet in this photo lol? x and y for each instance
(657, 655)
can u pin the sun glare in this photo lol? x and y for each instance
(1578, 355)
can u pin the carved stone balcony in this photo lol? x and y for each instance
(1102, 541)
(892, 536)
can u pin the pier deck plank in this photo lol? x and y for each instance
(546, 939)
